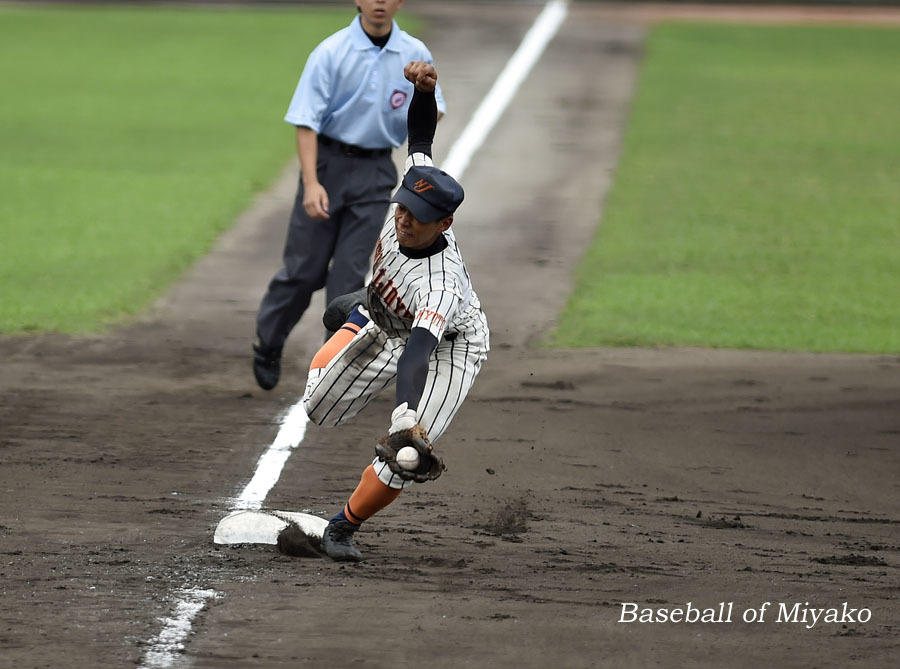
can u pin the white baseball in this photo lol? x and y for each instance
(408, 458)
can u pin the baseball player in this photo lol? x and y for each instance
(349, 108)
(419, 323)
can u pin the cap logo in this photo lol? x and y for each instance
(422, 186)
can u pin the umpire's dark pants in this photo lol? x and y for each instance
(359, 190)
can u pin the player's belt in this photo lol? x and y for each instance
(351, 150)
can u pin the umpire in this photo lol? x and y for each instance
(350, 110)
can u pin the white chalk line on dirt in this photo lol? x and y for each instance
(170, 641)
(503, 91)
(168, 645)
(269, 466)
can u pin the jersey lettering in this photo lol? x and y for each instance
(427, 315)
(389, 295)
(379, 254)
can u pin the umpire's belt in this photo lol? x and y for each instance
(351, 150)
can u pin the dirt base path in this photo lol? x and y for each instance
(578, 481)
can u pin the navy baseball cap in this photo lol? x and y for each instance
(430, 194)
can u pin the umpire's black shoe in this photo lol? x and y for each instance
(266, 366)
(337, 541)
(338, 310)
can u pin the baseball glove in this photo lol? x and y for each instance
(430, 465)
(338, 310)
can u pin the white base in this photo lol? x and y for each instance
(262, 527)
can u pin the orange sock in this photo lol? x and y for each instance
(370, 497)
(333, 346)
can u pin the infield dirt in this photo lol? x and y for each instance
(577, 481)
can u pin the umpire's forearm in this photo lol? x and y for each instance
(308, 151)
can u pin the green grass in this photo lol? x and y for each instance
(129, 139)
(757, 203)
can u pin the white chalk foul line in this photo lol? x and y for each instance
(494, 104)
(167, 646)
(269, 466)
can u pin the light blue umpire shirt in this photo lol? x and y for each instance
(354, 92)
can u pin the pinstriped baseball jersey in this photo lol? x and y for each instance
(434, 293)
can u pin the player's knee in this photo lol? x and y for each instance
(312, 383)
(317, 414)
(314, 403)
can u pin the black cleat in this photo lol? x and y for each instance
(337, 541)
(338, 310)
(266, 366)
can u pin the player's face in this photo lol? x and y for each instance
(376, 15)
(414, 234)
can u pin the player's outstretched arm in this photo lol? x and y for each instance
(405, 430)
(421, 119)
(412, 367)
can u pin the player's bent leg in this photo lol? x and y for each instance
(330, 350)
(370, 497)
(355, 322)
(348, 382)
